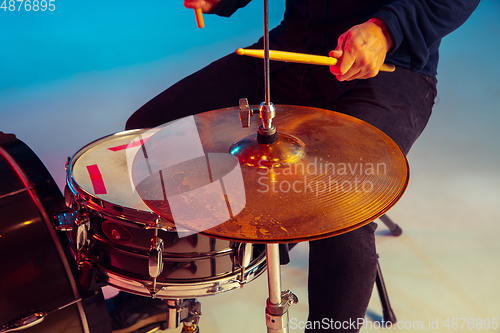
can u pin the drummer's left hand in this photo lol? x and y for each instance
(361, 51)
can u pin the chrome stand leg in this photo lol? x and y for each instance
(278, 302)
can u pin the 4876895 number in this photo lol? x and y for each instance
(28, 5)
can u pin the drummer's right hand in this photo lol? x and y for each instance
(205, 5)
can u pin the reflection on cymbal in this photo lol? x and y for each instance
(344, 173)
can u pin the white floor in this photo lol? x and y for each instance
(445, 266)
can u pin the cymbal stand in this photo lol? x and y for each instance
(278, 302)
(267, 132)
(387, 311)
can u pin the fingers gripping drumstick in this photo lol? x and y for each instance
(199, 18)
(301, 58)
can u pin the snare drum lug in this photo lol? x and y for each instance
(244, 254)
(81, 236)
(156, 257)
(245, 112)
(82, 224)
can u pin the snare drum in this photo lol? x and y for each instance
(114, 231)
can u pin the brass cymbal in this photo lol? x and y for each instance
(328, 174)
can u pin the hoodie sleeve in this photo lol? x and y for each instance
(417, 26)
(226, 8)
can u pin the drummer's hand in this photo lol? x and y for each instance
(205, 5)
(361, 51)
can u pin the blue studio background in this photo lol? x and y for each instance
(75, 74)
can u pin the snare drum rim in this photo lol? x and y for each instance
(187, 289)
(93, 203)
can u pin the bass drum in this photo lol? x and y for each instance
(119, 240)
(36, 279)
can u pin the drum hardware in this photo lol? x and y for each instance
(155, 257)
(81, 236)
(31, 319)
(159, 224)
(179, 311)
(245, 112)
(251, 153)
(155, 262)
(387, 311)
(190, 315)
(278, 302)
(116, 232)
(64, 220)
(82, 224)
(17, 192)
(169, 228)
(277, 314)
(190, 328)
(169, 290)
(244, 256)
(173, 313)
(243, 276)
(77, 222)
(267, 131)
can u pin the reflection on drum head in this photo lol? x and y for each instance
(102, 169)
(172, 172)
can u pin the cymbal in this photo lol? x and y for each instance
(329, 173)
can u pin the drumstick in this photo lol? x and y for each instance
(301, 58)
(199, 18)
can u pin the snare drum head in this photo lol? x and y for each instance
(102, 168)
(122, 228)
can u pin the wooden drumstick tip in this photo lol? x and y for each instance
(240, 51)
(199, 17)
(388, 68)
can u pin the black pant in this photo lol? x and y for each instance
(342, 269)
